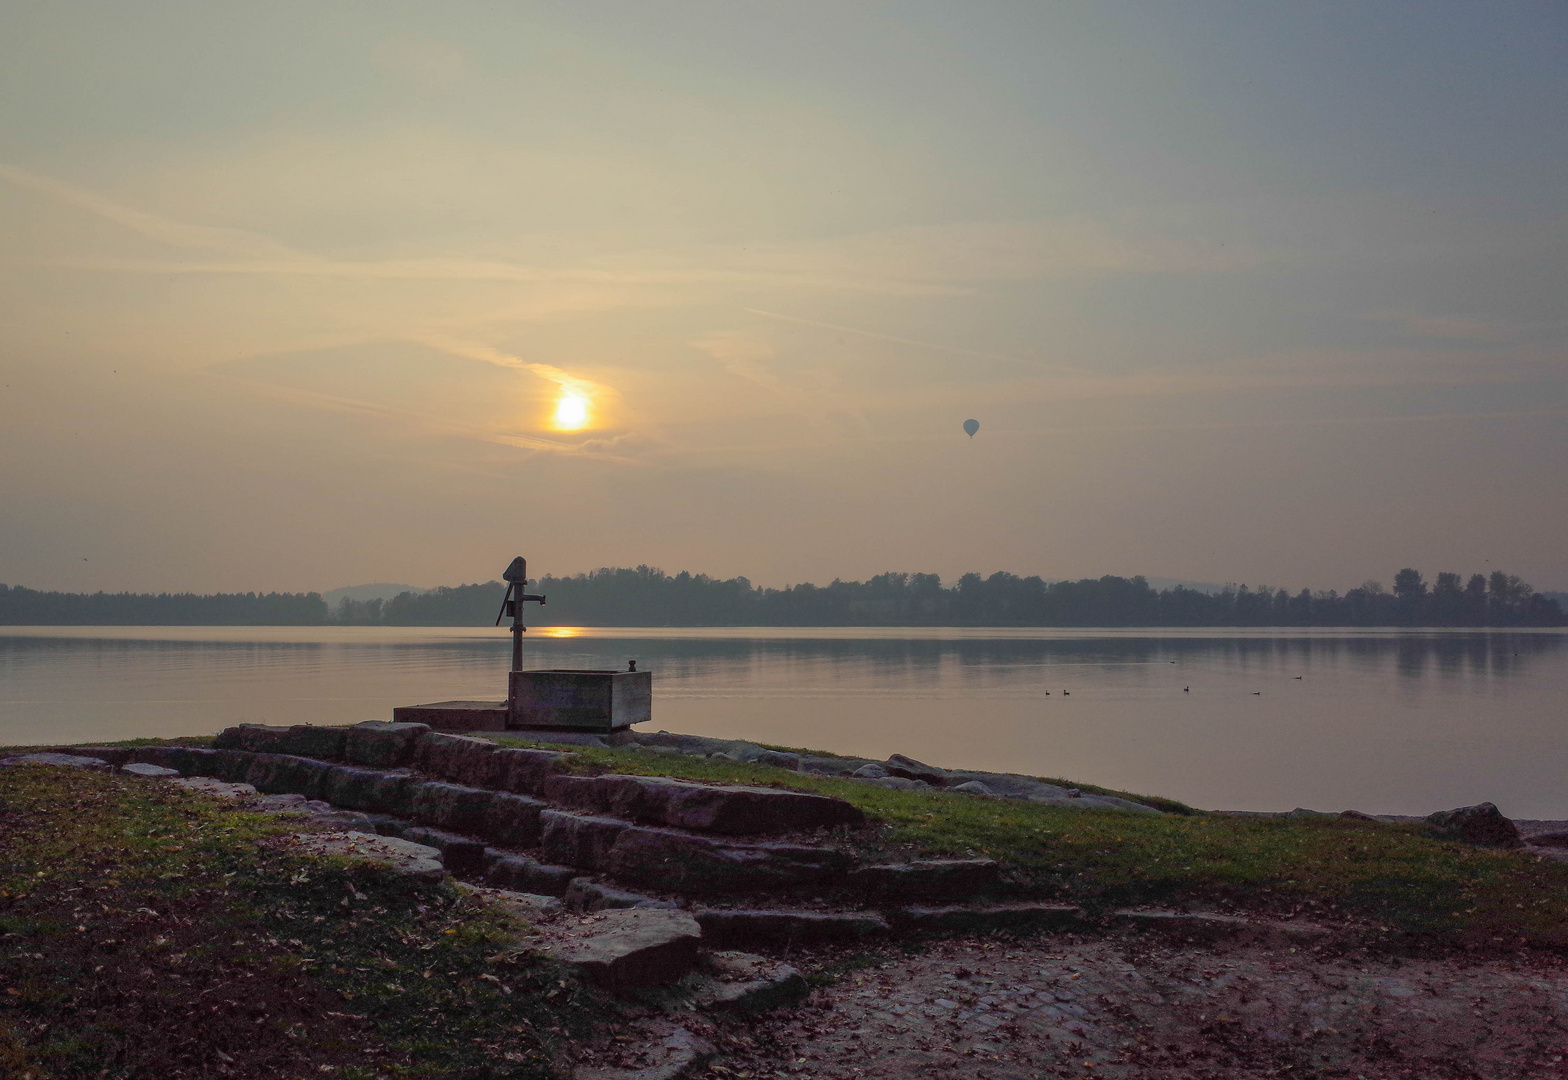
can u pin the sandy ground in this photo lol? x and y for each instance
(995, 1010)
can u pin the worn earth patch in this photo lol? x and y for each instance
(149, 931)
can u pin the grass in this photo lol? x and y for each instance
(1393, 876)
(146, 931)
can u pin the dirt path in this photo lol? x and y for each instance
(990, 1010)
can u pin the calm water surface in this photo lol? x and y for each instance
(1382, 721)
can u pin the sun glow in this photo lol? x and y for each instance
(571, 412)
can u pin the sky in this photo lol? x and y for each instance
(300, 295)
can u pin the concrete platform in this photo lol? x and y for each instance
(455, 715)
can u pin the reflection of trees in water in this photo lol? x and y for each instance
(911, 661)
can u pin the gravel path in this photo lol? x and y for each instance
(988, 1010)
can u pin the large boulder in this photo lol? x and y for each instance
(910, 769)
(1482, 824)
(382, 745)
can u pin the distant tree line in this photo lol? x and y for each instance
(21, 606)
(646, 596)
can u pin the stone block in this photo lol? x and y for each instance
(287, 774)
(377, 744)
(927, 879)
(631, 948)
(353, 787)
(513, 820)
(989, 919)
(322, 743)
(522, 770)
(253, 738)
(779, 759)
(697, 865)
(578, 839)
(461, 855)
(749, 928)
(728, 809)
(451, 806)
(584, 894)
(113, 755)
(461, 758)
(510, 871)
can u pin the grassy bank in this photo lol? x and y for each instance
(145, 931)
(1389, 875)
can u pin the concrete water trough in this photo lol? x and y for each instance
(553, 699)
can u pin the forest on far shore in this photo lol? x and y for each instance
(646, 596)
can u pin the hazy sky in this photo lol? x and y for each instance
(291, 294)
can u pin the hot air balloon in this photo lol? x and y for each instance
(971, 426)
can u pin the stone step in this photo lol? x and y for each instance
(728, 926)
(731, 810)
(744, 982)
(589, 896)
(926, 879)
(509, 870)
(628, 948)
(404, 857)
(988, 919)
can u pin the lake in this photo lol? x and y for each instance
(1382, 721)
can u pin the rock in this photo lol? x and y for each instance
(511, 871)
(460, 855)
(69, 761)
(700, 865)
(322, 743)
(522, 771)
(151, 772)
(462, 758)
(926, 879)
(631, 948)
(348, 821)
(1211, 928)
(779, 759)
(577, 839)
(973, 787)
(451, 806)
(524, 904)
(382, 745)
(406, 858)
(733, 810)
(721, 926)
(898, 783)
(356, 788)
(910, 769)
(988, 919)
(584, 894)
(289, 803)
(253, 738)
(872, 771)
(1549, 839)
(664, 1052)
(745, 982)
(1479, 824)
(206, 785)
(512, 820)
(285, 773)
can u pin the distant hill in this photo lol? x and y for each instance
(380, 590)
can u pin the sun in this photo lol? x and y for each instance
(571, 412)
